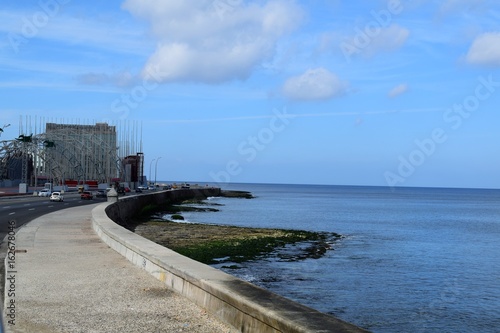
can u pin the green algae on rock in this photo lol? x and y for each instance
(209, 243)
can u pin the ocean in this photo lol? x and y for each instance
(410, 260)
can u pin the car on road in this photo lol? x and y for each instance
(56, 196)
(44, 193)
(101, 194)
(86, 195)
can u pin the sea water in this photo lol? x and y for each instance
(411, 259)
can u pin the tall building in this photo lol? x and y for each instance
(133, 166)
(81, 152)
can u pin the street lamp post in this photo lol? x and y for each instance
(156, 164)
(149, 180)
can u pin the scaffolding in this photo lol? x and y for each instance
(68, 150)
(81, 152)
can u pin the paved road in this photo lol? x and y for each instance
(23, 209)
(20, 210)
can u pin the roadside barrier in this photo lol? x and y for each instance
(243, 305)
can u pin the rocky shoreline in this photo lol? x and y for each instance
(211, 244)
(236, 194)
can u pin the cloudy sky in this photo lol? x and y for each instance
(391, 93)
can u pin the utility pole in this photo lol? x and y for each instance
(140, 168)
(149, 180)
(156, 164)
(25, 141)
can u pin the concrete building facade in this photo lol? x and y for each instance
(81, 152)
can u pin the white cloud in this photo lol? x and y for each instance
(314, 84)
(21, 29)
(485, 50)
(388, 40)
(398, 90)
(121, 79)
(371, 41)
(202, 41)
(450, 6)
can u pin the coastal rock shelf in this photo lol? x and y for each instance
(208, 243)
(236, 302)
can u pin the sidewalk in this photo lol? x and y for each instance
(68, 280)
(12, 191)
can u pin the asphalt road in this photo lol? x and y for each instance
(19, 210)
(23, 209)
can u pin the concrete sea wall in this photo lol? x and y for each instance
(246, 307)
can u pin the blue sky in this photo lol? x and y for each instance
(396, 93)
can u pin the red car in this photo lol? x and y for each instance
(86, 195)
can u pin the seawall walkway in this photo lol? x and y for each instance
(234, 301)
(67, 280)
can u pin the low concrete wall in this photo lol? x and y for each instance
(128, 206)
(236, 302)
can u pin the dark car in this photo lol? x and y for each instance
(86, 195)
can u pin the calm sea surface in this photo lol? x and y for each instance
(412, 259)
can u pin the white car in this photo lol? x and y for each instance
(56, 196)
(44, 193)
